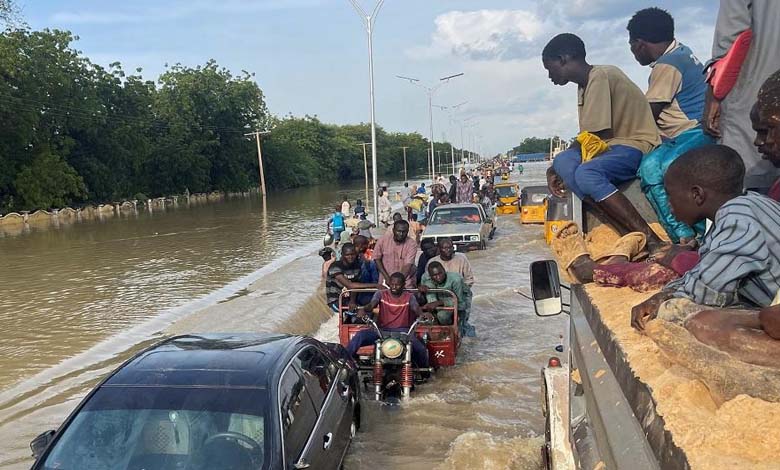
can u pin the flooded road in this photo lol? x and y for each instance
(484, 412)
(81, 299)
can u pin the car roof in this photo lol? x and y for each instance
(455, 206)
(209, 360)
(536, 189)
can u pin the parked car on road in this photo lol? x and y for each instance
(467, 225)
(210, 402)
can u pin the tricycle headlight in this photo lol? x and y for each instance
(474, 238)
(392, 348)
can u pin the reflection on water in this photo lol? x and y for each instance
(68, 289)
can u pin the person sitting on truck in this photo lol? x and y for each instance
(615, 110)
(676, 96)
(397, 310)
(739, 259)
(438, 278)
(750, 335)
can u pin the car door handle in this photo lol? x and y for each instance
(327, 440)
(344, 390)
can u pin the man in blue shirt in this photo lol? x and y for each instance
(676, 96)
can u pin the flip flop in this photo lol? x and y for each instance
(568, 245)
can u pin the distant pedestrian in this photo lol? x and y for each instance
(465, 190)
(453, 190)
(359, 209)
(345, 207)
(421, 189)
(336, 224)
(385, 208)
(364, 227)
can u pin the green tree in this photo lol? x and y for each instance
(533, 145)
(48, 182)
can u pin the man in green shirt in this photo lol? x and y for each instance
(438, 278)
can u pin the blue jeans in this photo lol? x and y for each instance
(651, 173)
(369, 336)
(597, 178)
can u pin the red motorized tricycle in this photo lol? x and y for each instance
(387, 366)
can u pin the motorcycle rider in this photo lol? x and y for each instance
(397, 311)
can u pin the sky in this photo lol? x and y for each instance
(310, 57)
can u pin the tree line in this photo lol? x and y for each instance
(75, 132)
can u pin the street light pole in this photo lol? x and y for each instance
(430, 91)
(257, 135)
(405, 177)
(368, 22)
(449, 113)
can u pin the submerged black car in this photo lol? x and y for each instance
(211, 402)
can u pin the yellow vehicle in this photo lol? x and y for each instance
(558, 212)
(508, 200)
(533, 205)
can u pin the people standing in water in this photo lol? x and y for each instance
(336, 225)
(612, 108)
(359, 209)
(437, 277)
(385, 208)
(453, 261)
(406, 198)
(676, 96)
(345, 207)
(464, 191)
(396, 254)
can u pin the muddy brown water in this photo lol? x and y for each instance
(80, 299)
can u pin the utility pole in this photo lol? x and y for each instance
(257, 135)
(438, 160)
(365, 167)
(405, 177)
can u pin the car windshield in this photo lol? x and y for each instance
(159, 428)
(506, 191)
(455, 215)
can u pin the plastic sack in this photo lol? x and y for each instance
(591, 146)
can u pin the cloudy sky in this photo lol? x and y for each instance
(310, 56)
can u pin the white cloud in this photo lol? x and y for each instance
(483, 34)
(500, 50)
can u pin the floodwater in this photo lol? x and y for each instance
(80, 299)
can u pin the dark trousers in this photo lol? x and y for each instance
(369, 336)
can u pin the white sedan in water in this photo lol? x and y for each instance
(467, 225)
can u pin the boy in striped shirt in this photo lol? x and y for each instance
(739, 262)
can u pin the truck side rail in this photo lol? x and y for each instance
(620, 440)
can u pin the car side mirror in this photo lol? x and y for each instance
(546, 288)
(41, 442)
